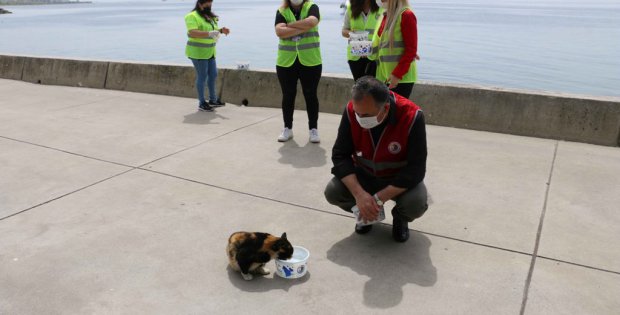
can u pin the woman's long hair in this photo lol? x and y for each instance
(395, 7)
(357, 6)
(207, 15)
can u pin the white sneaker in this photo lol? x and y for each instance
(286, 135)
(314, 136)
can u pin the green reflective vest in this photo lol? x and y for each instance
(387, 59)
(359, 25)
(306, 48)
(200, 48)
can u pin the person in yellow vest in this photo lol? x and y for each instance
(361, 15)
(395, 47)
(299, 58)
(202, 32)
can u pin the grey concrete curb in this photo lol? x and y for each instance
(587, 119)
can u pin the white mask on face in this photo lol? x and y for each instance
(368, 122)
(382, 4)
(296, 2)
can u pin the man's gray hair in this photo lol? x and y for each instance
(368, 85)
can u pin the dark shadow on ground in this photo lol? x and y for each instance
(310, 155)
(202, 118)
(264, 283)
(388, 264)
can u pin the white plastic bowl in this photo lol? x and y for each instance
(296, 267)
(361, 48)
(358, 36)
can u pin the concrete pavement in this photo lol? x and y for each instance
(121, 203)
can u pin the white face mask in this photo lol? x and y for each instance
(368, 122)
(382, 4)
(296, 2)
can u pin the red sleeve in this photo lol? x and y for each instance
(382, 26)
(409, 28)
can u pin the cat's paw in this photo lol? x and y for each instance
(247, 276)
(263, 271)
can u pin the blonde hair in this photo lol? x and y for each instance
(395, 8)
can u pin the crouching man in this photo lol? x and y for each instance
(380, 155)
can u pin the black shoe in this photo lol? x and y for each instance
(217, 103)
(205, 107)
(362, 229)
(400, 230)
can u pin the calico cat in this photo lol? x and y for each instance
(248, 252)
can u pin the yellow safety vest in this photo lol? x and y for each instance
(306, 48)
(358, 24)
(200, 48)
(387, 59)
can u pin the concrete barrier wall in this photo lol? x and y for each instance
(11, 67)
(593, 120)
(157, 79)
(67, 72)
(590, 120)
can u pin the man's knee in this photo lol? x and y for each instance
(336, 193)
(413, 203)
(333, 191)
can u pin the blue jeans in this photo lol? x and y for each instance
(205, 70)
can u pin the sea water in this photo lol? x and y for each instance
(552, 45)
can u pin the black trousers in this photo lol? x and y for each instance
(309, 77)
(403, 89)
(362, 67)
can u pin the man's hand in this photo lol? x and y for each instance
(369, 209)
(225, 31)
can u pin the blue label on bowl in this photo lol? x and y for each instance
(288, 271)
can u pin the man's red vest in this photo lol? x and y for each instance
(386, 158)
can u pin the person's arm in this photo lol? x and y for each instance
(282, 29)
(409, 28)
(311, 21)
(343, 149)
(305, 24)
(344, 169)
(199, 34)
(346, 26)
(194, 32)
(412, 174)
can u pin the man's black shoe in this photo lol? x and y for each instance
(400, 230)
(205, 107)
(362, 229)
(217, 103)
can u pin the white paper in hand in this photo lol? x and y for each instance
(360, 221)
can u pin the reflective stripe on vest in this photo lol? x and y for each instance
(307, 48)
(200, 44)
(388, 58)
(201, 48)
(299, 47)
(380, 166)
(358, 24)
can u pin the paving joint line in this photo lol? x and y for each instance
(327, 212)
(205, 141)
(67, 194)
(89, 103)
(131, 168)
(580, 265)
(68, 152)
(528, 280)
